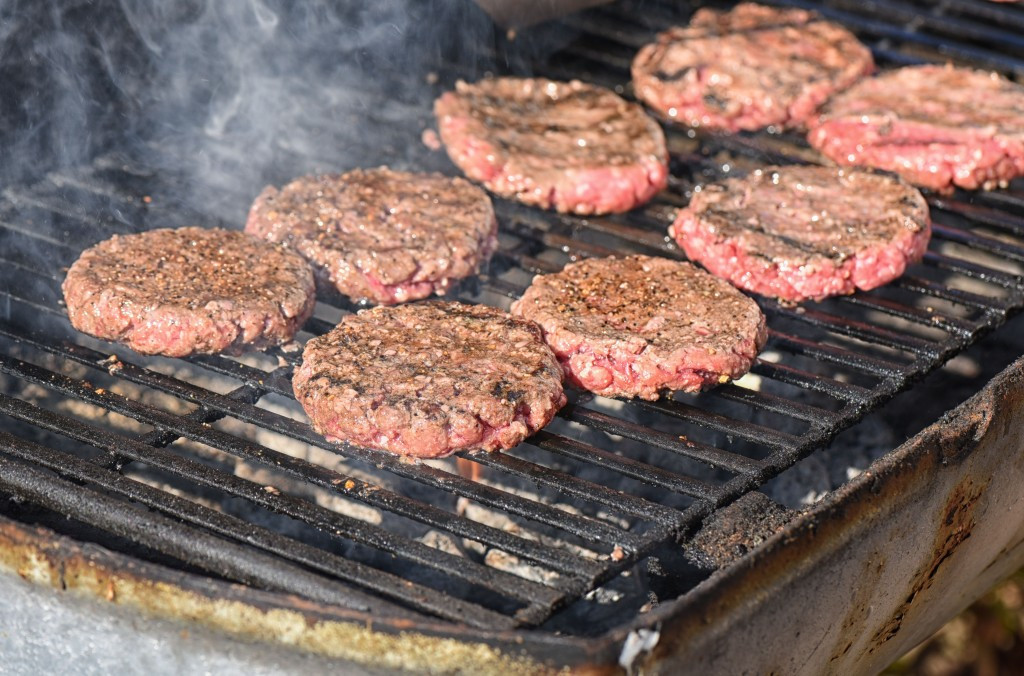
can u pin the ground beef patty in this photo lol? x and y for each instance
(381, 235)
(748, 68)
(638, 325)
(568, 146)
(805, 232)
(937, 126)
(430, 379)
(190, 290)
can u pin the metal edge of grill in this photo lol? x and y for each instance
(908, 354)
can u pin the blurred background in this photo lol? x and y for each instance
(984, 640)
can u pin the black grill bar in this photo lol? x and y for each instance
(836, 355)
(773, 403)
(986, 304)
(813, 382)
(981, 215)
(943, 48)
(585, 490)
(344, 485)
(714, 421)
(869, 333)
(715, 457)
(164, 535)
(382, 583)
(972, 270)
(326, 520)
(978, 242)
(572, 448)
(921, 316)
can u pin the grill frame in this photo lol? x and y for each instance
(999, 211)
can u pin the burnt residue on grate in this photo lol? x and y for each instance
(732, 531)
(208, 464)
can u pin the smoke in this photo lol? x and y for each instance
(228, 96)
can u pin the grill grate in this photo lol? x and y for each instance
(192, 422)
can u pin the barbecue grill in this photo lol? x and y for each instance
(627, 535)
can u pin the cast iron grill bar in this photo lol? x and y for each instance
(973, 270)
(942, 47)
(909, 14)
(386, 584)
(570, 485)
(655, 476)
(161, 438)
(987, 304)
(979, 242)
(329, 522)
(847, 392)
(775, 404)
(979, 214)
(852, 328)
(935, 319)
(559, 561)
(836, 355)
(738, 428)
(710, 455)
(169, 537)
(991, 12)
(1010, 199)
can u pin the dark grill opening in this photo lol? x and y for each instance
(207, 464)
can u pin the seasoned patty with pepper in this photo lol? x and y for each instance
(429, 379)
(380, 235)
(191, 290)
(640, 325)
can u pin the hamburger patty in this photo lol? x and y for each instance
(805, 232)
(937, 126)
(380, 235)
(748, 68)
(430, 379)
(568, 146)
(635, 326)
(189, 290)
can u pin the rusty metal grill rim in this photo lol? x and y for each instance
(556, 232)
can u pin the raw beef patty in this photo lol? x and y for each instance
(635, 326)
(430, 379)
(568, 146)
(380, 235)
(748, 68)
(798, 233)
(189, 290)
(936, 126)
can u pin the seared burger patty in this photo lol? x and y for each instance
(805, 232)
(190, 290)
(430, 379)
(568, 146)
(937, 126)
(635, 326)
(748, 68)
(380, 235)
